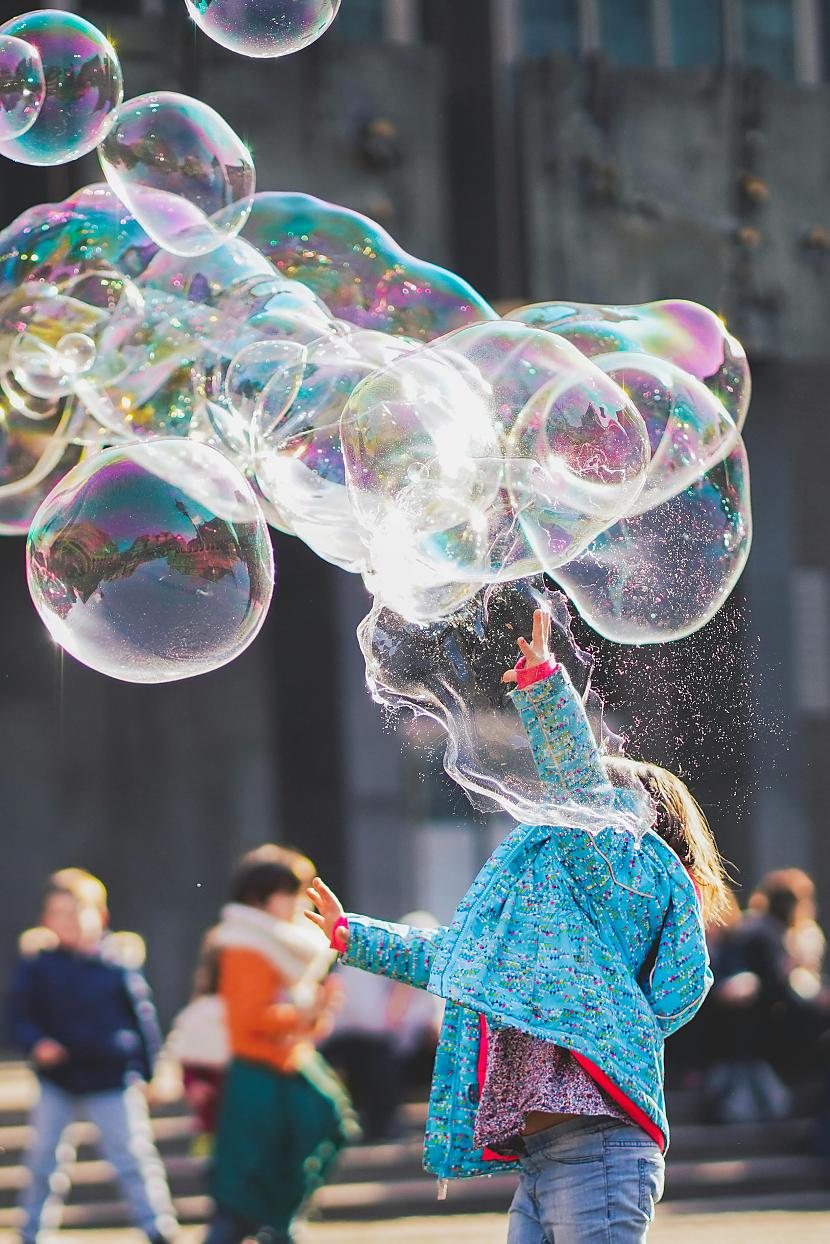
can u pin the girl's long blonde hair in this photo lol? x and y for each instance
(682, 824)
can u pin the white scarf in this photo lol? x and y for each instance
(298, 951)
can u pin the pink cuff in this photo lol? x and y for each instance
(527, 677)
(341, 923)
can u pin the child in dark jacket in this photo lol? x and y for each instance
(86, 1020)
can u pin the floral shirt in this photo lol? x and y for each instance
(525, 1073)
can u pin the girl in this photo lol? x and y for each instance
(283, 1114)
(568, 961)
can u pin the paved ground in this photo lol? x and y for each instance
(675, 1225)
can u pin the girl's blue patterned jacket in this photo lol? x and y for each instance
(591, 940)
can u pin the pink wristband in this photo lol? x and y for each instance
(341, 923)
(526, 677)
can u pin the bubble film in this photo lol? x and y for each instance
(448, 676)
(151, 563)
(91, 230)
(663, 574)
(263, 27)
(360, 273)
(35, 454)
(83, 88)
(684, 333)
(22, 86)
(495, 453)
(181, 171)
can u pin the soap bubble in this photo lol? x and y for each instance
(181, 170)
(83, 88)
(358, 270)
(448, 675)
(263, 381)
(689, 429)
(493, 453)
(684, 333)
(22, 86)
(151, 562)
(91, 230)
(663, 574)
(263, 27)
(298, 452)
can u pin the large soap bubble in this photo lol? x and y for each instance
(449, 673)
(151, 562)
(359, 271)
(83, 88)
(22, 86)
(181, 170)
(663, 574)
(494, 453)
(263, 27)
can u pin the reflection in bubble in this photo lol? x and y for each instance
(151, 563)
(181, 170)
(83, 88)
(22, 86)
(263, 27)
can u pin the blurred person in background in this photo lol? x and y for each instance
(197, 1050)
(284, 1114)
(80, 1009)
(384, 1041)
(770, 1003)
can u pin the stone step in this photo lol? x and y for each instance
(388, 1192)
(704, 1185)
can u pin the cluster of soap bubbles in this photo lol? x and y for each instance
(184, 361)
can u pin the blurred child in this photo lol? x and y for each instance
(284, 1114)
(198, 1045)
(86, 1020)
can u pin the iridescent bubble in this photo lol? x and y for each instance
(684, 333)
(83, 88)
(447, 675)
(22, 86)
(359, 271)
(493, 453)
(89, 231)
(689, 428)
(263, 27)
(664, 573)
(151, 563)
(181, 170)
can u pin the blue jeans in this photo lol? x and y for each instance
(126, 1141)
(587, 1181)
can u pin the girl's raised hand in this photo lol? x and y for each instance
(537, 650)
(329, 911)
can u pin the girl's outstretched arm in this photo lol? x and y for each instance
(563, 745)
(399, 951)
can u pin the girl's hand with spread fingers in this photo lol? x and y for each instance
(328, 914)
(536, 651)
